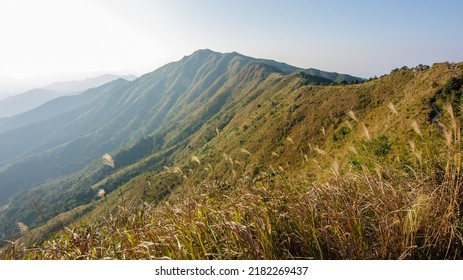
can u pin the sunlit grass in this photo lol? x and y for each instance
(279, 215)
(411, 210)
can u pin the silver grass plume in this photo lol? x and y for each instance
(196, 159)
(366, 133)
(244, 151)
(416, 128)
(351, 114)
(108, 160)
(23, 228)
(392, 108)
(101, 193)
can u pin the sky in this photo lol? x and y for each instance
(51, 40)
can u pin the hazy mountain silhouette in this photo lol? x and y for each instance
(31, 99)
(82, 85)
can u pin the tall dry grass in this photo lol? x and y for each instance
(379, 214)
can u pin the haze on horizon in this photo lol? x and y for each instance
(51, 40)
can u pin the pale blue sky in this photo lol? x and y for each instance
(55, 39)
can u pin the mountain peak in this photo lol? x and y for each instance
(203, 51)
(203, 54)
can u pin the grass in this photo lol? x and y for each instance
(391, 200)
(281, 214)
(277, 217)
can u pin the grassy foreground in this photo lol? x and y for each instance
(280, 214)
(369, 196)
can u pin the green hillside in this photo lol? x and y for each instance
(150, 115)
(221, 156)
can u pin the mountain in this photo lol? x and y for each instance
(73, 86)
(55, 107)
(128, 112)
(212, 125)
(336, 77)
(9, 86)
(31, 99)
(23, 102)
(136, 118)
(287, 69)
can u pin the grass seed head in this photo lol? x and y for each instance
(23, 228)
(290, 140)
(320, 151)
(101, 193)
(108, 160)
(392, 108)
(335, 168)
(352, 115)
(196, 159)
(365, 131)
(416, 128)
(246, 152)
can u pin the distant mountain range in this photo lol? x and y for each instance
(54, 108)
(54, 148)
(73, 86)
(9, 87)
(31, 99)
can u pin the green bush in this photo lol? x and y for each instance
(379, 147)
(340, 134)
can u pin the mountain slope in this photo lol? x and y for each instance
(9, 86)
(55, 107)
(142, 104)
(335, 77)
(125, 113)
(23, 102)
(274, 175)
(20, 103)
(87, 83)
(158, 119)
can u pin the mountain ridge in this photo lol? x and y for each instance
(124, 104)
(205, 104)
(31, 99)
(82, 85)
(52, 108)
